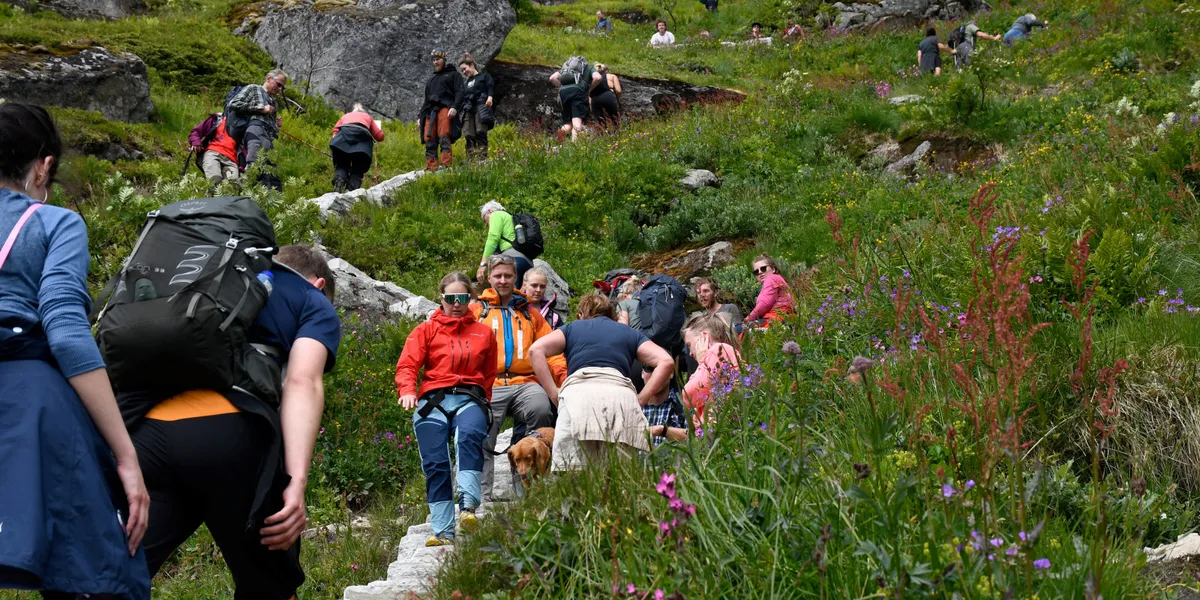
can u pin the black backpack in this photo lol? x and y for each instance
(529, 236)
(235, 121)
(178, 312)
(662, 314)
(957, 36)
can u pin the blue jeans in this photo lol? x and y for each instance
(1013, 35)
(468, 424)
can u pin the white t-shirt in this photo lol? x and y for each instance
(662, 39)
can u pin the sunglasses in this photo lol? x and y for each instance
(761, 270)
(453, 299)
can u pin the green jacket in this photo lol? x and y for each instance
(500, 231)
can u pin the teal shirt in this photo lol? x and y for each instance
(500, 230)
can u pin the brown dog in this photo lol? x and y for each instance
(530, 457)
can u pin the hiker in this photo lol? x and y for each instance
(436, 120)
(709, 5)
(603, 98)
(475, 108)
(775, 299)
(458, 355)
(627, 304)
(257, 103)
(662, 38)
(709, 338)
(536, 281)
(794, 32)
(574, 80)
(755, 32)
(598, 408)
(216, 151)
(664, 412)
(238, 461)
(929, 57)
(962, 39)
(706, 292)
(353, 147)
(501, 235)
(507, 312)
(1022, 27)
(73, 516)
(603, 23)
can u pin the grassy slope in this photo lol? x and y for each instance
(790, 154)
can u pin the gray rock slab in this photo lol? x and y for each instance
(695, 179)
(114, 84)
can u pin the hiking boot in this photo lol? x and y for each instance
(431, 164)
(447, 158)
(436, 540)
(467, 521)
(339, 185)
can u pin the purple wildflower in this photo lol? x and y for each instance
(1041, 563)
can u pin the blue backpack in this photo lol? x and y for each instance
(661, 311)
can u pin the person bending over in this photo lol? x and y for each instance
(353, 147)
(575, 82)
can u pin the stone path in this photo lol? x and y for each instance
(415, 568)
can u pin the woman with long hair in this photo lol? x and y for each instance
(775, 299)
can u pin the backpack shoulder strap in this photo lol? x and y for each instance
(12, 235)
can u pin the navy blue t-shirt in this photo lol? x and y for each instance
(602, 342)
(297, 309)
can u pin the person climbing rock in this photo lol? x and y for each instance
(963, 39)
(436, 120)
(458, 355)
(217, 152)
(475, 108)
(517, 325)
(1022, 27)
(603, 98)
(929, 53)
(353, 147)
(259, 105)
(575, 81)
(501, 233)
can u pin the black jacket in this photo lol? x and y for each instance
(444, 89)
(474, 96)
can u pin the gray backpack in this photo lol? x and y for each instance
(575, 71)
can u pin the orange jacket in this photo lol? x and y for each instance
(222, 143)
(516, 327)
(453, 351)
(360, 118)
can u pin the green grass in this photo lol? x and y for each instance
(793, 159)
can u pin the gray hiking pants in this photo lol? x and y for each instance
(258, 138)
(218, 167)
(530, 408)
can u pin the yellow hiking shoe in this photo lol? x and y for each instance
(468, 522)
(435, 541)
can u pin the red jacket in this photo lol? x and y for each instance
(360, 118)
(453, 351)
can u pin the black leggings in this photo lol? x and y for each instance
(206, 470)
(349, 168)
(604, 109)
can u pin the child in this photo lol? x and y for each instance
(664, 412)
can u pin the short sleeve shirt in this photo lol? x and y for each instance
(929, 45)
(297, 309)
(665, 39)
(630, 306)
(602, 342)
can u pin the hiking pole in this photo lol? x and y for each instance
(375, 157)
(306, 143)
(187, 162)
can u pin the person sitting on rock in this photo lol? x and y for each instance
(475, 108)
(599, 409)
(1021, 28)
(507, 312)
(775, 299)
(755, 32)
(353, 147)
(443, 92)
(603, 98)
(217, 150)
(966, 46)
(574, 81)
(603, 23)
(500, 236)
(458, 355)
(536, 281)
(929, 56)
(706, 293)
(258, 103)
(662, 38)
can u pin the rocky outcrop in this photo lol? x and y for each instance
(701, 260)
(908, 164)
(1186, 546)
(524, 95)
(906, 99)
(377, 51)
(698, 178)
(374, 300)
(902, 13)
(338, 204)
(85, 9)
(113, 84)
